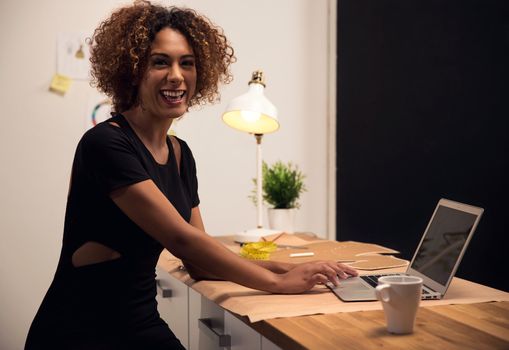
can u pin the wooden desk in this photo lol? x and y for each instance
(468, 326)
(479, 325)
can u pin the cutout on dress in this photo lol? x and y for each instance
(176, 151)
(93, 253)
(114, 124)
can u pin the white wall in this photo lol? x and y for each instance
(39, 130)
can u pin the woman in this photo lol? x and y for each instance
(134, 190)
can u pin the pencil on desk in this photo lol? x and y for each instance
(297, 255)
(275, 238)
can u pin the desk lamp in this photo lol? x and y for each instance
(253, 113)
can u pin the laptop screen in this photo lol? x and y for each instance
(443, 243)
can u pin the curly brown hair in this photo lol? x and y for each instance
(120, 49)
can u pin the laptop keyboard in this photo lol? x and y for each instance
(373, 280)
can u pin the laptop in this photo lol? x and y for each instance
(436, 259)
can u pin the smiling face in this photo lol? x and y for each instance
(170, 79)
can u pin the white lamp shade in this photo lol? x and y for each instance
(252, 112)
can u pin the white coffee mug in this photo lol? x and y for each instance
(400, 297)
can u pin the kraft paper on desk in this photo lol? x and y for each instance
(362, 256)
(294, 239)
(257, 305)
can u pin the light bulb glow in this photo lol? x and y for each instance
(250, 116)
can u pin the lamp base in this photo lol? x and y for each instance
(254, 235)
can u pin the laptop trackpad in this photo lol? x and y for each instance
(354, 289)
(353, 283)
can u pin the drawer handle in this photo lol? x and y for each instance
(165, 292)
(205, 324)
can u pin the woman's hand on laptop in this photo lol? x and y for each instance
(303, 277)
(343, 271)
(346, 271)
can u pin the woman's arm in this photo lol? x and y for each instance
(200, 274)
(195, 272)
(143, 203)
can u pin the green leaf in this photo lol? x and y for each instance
(282, 185)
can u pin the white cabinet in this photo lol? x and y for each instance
(243, 337)
(200, 323)
(212, 327)
(206, 324)
(173, 302)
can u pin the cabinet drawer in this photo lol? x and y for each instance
(206, 324)
(172, 299)
(201, 324)
(243, 337)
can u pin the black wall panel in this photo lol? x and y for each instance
(423, 110)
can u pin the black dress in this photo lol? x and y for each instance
(111, 305)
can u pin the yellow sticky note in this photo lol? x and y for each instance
(60, 84)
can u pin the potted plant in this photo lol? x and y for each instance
(282, 186)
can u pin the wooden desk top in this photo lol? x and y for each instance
(461, 326)
(467, 326)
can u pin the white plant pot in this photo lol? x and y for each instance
(282, 219)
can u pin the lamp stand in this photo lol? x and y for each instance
(259, 180)
(254, 235)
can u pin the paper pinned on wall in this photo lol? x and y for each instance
(73, 56)
(60, 84)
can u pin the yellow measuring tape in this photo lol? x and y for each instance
(257, 250)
